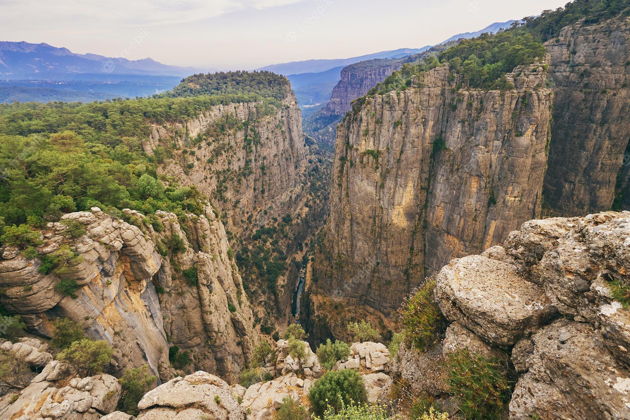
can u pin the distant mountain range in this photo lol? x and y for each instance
(318, 66)
(26, 61)
(313, 80)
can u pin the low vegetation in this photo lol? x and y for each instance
(480, 385)
(291, 410)
(421, 318)
(178, 358)
(66, 332)
(363, 331)
(252, 376)
(11, 327)
(135, 383)
(295, 331)
(356, 412)
(330, 353)
(263, 354)
(336, 390)
(87, 356)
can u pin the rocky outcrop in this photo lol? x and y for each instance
(546, 299)
(366, 356)
(262, 400)
(54, 394)
(285, 364)
(588, 68)
(434, 172)
(125, 292)
(195, 396)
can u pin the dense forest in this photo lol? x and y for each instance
(264, 83)
(58, 157)
(483, 62)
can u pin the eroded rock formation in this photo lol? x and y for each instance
(128, 294)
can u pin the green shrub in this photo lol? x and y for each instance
(175, 244)
(297, 349)
(433, 414)
(66, 332)
(74, 228)
(192, 276)
(135, 383)
(11, 327)
(22, 236)
(335, 390)
(479, 384)
(363, 331)
(295, 331)
(14, 373)
(179, 359)
(330, 353)
(356, 412)
(394, 345)
(252, 376)
(421, 318)
(87, 356)
(231, 307)
(620, 292)
(263, 353)
(67, 287)
(291, 410)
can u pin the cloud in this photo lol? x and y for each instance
(135, 12)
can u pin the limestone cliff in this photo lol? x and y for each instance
(434, 172)
(587, 166)
(141, 288)
(429, 173)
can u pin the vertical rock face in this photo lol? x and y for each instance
(248, 158)
(589, 69)
(356, 81)
(198, 302)
(430, 173)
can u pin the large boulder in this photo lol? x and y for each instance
(308, 367)
(491, 299)
(196, 396)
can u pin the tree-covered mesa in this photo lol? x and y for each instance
(263, 83)
(57, 158)
(483, 62)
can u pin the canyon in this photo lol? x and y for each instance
(457, 226)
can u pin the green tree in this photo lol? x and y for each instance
(263, 353)
(363, 331)
(11, 327)
(87, 356)
(295, 331)
(330, 353)
(135, 383)
(335, 390)
(66, 332)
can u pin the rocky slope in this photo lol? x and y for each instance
(546, 300)
(141, 288)
(435, 172)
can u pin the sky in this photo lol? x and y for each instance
(247, 34)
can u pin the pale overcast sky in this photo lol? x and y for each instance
(250, 33)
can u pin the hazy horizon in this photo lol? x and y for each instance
(248, 34)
